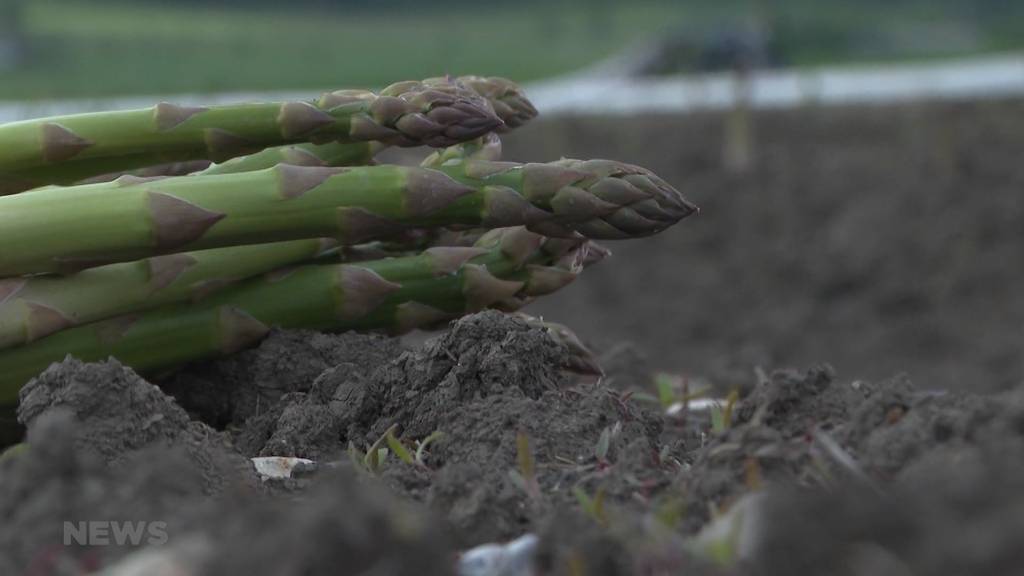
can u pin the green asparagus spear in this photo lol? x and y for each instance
(505, 97)
(503, 269)
(130, 219)
(508, 100)
(36, 306)
(96, 170)
(330, 154)
(37, 152)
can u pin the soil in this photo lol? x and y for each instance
(877, 239)
(104, 443)
(860, 253)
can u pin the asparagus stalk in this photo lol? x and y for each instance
(33, 307)
(166, 169)
(330, 154)
(130, 219)
(96, 170)
(506, 98)
(505, 268)
(68, 148)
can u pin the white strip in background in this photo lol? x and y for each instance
(967, 78)
(989, 77)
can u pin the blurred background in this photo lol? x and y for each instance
(858, 163)
(87, 48)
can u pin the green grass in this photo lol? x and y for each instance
(85, 48)
(105, 47)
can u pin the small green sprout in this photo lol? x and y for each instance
(356, 455)
(665, 383)
(717, 419)
(730, 404)
(721, 417)
(377, 454)
(673, 392)
(376, 458)
(604, 442)
(526, 476)
(594, 507)
(421, 446)
(398, 448)
(524, 456)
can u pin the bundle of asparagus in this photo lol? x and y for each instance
(296, 226)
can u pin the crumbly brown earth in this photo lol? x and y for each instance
(935, 479)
